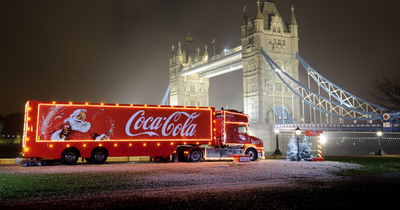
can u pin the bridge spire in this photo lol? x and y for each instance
(179, 49)
(258, 16)
(293, 21)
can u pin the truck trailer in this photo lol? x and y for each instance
(66, 132)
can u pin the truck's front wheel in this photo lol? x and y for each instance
(195, 155)
(252, 153)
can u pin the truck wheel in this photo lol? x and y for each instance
(195, 155)
(252, 153)
(69, 156)
(98, 156)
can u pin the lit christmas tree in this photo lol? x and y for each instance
(305, 148)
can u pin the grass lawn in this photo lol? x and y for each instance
(18, 186)
(371, 165)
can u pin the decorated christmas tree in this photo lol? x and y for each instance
(305, 148)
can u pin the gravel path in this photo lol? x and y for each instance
(159, 185)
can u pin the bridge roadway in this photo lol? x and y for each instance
(358, 127)
(228, 61)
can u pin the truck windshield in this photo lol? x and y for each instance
(242, 129)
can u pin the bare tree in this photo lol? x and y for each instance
(387, 91)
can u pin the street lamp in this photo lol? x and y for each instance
(277, 151)
(380, 151)
(298, 133)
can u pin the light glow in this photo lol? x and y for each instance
(276, 130)
(323, 139)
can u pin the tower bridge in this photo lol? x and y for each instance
(272, 96)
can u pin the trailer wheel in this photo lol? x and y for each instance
(195, 155)
(252, 153)
(69, 156)
(98, 156)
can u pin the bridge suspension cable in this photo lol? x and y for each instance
(348, 106)
(339, 94)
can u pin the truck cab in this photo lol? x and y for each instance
(231, 138)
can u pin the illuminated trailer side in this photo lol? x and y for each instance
(67, 131)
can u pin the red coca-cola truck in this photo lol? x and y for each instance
(69, 131)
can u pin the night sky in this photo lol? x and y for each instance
(118, 51)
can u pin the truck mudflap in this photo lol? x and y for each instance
(260, 153)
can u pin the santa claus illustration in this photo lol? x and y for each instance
(76, 128)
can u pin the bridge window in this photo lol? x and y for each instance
(192, 88)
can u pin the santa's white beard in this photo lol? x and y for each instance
(78, 125)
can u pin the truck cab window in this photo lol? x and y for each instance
(242, 129)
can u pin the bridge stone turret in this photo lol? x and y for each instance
(266, 99)
(190, 90)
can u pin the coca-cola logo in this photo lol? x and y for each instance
(171, 125)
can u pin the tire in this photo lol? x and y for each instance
(69, 156)
(99, 156)
(252, 153)
(195, 155)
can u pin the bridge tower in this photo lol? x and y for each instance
(189, 90)
(266, 99)
(263, 91)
